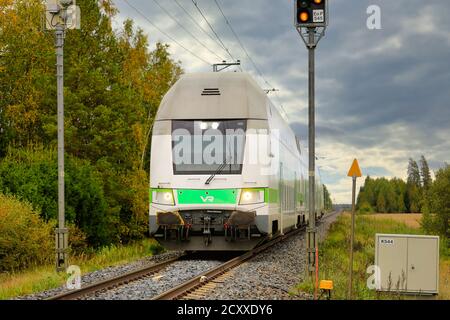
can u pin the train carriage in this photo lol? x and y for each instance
(227, 172)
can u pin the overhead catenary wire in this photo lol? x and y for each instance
(198, 24)
(219, 40)
(214, 32)
(258, 70)
(281, 105)
(185, 29)
(166, 34)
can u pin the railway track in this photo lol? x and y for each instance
(116, 281)
(198, 287)
(195, 288)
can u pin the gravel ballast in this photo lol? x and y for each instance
(104, 274)
(271, 275)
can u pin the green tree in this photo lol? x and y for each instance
(413, 189)
(413, 173)
(437, 213)
(327, 198)
(382, 195)
(391, 198)
(413, 199)
(366, 198)
(26, 72)
(401, 208)
(113, 87)
(425, 173)
(381, 203)
(400, 190)
(113, 84)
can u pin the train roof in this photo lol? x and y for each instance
(207, 96)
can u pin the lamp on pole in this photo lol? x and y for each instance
(60, 16)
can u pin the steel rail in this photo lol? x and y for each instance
(116, 281)
(180, 290)
(200, 281)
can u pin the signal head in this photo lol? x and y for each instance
(311, 13)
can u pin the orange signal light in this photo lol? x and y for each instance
(318, 1)
(304, 16)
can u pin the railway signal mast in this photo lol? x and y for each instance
(61, 15)
(311, 21)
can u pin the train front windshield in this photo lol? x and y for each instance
(208, 147)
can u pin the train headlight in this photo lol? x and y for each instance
(252, 196)
(164, 197)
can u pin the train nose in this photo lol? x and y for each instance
(217, 229)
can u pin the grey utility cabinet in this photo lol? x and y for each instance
(408, 263)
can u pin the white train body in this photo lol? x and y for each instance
(261, 185)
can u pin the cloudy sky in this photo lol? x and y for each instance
(382, 95)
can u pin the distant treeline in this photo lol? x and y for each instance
(396, 196)
(327, 198)
(419, 194)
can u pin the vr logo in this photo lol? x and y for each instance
(207, 199)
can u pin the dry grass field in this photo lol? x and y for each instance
(410, 219)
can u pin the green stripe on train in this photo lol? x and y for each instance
(225, 196)
(272, 195)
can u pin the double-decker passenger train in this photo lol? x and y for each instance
(227, 172)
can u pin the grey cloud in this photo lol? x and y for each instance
(386, 89)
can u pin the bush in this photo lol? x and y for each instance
(31, 175)
(126, 193)
(77, 240)
(365, 208)
(25, 239)
(156, 249)
(108, 206)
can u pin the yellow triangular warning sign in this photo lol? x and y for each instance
(355, 171)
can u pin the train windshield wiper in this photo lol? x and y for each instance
(218, 171)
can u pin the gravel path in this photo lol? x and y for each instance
(105, 274)
(272, 274)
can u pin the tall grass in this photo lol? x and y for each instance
(334, 255)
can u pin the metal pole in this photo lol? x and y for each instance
(312, 241)
(352, 237)
(61, 232)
